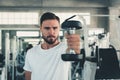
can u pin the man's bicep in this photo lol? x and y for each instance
(27, 75)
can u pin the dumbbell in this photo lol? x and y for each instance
(70, 26)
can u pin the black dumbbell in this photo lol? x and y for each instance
(70, 26)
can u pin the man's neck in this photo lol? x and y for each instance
(48, 46)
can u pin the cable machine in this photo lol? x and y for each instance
(98, 59)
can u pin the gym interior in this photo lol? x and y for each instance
(99, 34)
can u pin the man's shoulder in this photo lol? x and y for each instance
(34, 49)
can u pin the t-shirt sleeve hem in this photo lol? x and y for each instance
(26, 69)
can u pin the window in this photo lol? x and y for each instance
(27, 33)
(29, 36)
(18, 18)
(64, 16)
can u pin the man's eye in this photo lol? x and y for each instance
(47, 28)
(55, 28)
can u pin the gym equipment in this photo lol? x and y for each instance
(107, 63)
(70, 26)
(105, 58)
(2, 60)
(7, 50)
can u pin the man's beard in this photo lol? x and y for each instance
(49, 39)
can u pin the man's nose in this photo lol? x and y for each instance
(51, 31)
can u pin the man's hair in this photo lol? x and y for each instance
(48, 16)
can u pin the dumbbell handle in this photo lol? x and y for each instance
(69, 32)
(72, 57)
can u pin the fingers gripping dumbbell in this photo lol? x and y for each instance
(70, 26)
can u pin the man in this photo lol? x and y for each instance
(43, 62)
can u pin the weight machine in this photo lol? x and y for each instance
(9, 62)
(105, 60)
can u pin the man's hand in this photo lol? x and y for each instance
(73, 42)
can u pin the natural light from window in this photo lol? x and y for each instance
(64, 16)
(27, 33)
(19, 18)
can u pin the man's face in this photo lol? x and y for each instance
(50, 31)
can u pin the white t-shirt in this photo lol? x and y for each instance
(47, 64)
